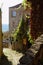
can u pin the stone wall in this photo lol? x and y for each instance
(34, 55)
(0, 35)
(14, 21)
(36, 21)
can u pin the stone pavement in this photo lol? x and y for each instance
(11, 57)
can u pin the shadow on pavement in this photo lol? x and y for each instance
(5, 61)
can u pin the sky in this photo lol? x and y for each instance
(4, 5)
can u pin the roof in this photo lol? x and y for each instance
(16, 6)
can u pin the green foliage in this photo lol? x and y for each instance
(16, 31)
(22, 32)
(18, 34)
(29, 37)
(26, 4)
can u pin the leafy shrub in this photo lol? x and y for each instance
(22, 32)
(26, 4)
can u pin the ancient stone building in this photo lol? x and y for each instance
(15, 14)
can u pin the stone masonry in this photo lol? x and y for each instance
(34, 55)
(14, 20)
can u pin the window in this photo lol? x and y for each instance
(13, 13)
